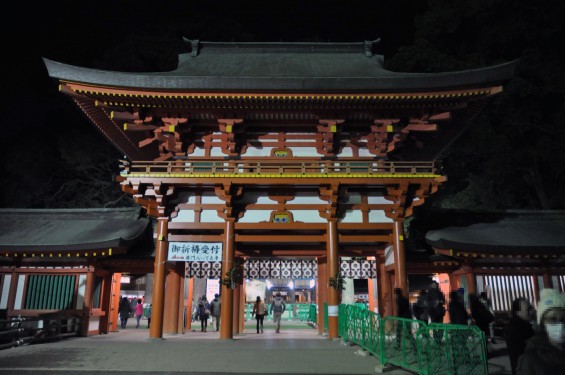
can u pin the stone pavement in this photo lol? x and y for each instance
(296, 350)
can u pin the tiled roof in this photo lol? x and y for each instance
(70, 229)
(282, 67)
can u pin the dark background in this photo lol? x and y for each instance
(511, 157)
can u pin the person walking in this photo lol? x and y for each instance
(124, 310)
(138, 312)
(518, 330)
(457, 312)
(259, 311)
(277, 309)
(215, 310)
(545, 352)
(203, 313)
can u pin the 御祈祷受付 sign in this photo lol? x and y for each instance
(195, 251)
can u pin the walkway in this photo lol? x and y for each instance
(298, 349)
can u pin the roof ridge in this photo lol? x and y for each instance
(365, 47)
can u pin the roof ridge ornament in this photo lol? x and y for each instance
(194, 45)
(369, 46)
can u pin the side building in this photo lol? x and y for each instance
(67, 263)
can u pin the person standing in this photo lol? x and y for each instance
(545, 352)
(138, 312)
(421, 307)
(148, 315)
(436, 303)
(259, 311)
(518, 330)
(277, 309)
(481, 316)
(215, 310)
(124, 310)
(203, 313)
(488, 305)
(457, 312)
(402, 311)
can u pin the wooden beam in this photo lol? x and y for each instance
(282, 238)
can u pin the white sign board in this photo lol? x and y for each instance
(212, 288)
(195, 251)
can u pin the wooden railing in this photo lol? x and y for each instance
(23, 331)
(279, 167)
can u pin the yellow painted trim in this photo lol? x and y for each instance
(271, 175)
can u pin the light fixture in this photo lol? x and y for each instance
(269, 284)
(312, 283)
(291, 284)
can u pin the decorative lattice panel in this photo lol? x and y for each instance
(358, 269)
(269, 268)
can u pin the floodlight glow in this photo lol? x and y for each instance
(312, 283)
(291, 284)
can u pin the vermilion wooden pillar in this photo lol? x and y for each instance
(87, 303)
(228, 257)
(236, 307)
(115, 281)
(333, 269)
(371, 289)
(242, 302)
(189, 304)
(454, 283)
(110, 294)
(172, 293)
(181, 270)
(322, 292)
(471, 282)
(156, 330)
(385, 309)
(547, 282)
(536, 288)
(400, 278)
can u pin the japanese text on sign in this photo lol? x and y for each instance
(195, 251)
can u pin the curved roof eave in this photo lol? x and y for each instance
(506, 236)
(178, 81)
(29, 230)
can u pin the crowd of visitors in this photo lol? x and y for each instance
(535, 346)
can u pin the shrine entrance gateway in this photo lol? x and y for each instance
(323, 156)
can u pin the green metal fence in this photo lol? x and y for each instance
(451, 349)
(326, 316)
(434, 349)
(399, 341)
(361, 327)
(293, 311)
(313, 314)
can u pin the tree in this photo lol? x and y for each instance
(510, 158)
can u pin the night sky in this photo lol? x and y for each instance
(42, 129)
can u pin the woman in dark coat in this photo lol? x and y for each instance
(124, 310)
(457, 312)
(204, 313)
